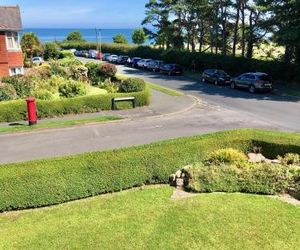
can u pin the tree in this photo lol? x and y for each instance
(139, 36)
(284, 17)
(120, 38)
(30, 45)
(51, 51)
(75, 36)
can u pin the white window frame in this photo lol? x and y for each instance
(15, 40)
(16, 71)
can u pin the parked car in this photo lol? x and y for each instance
(37, 60)
(171, 69)
(216, 76)
(142, 64)
(78, 53)
(112, 58)
(93, 54)
(105, 56)
(134, 62)
(122, 60)
(254, 82)
(154, 65)
(85, 53)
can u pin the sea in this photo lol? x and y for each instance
(50, 35)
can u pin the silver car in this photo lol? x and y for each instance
(253, 82)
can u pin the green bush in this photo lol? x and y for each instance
(16, 110)
(108, 70)
(51, 51)
(132, 85)
(47, 182)
(66, 54)
(94, 73)
(227, 155)
(109, 86)
(21, 84)
(290, 159)
(233, 65)
(41, 72)
(260, 178)
(42, 94)
(71, 89)
(7, 92)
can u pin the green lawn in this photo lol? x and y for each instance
(157, 87)
(57, 124)
(149, 219)
(164, 90)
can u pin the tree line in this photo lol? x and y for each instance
(226, 27)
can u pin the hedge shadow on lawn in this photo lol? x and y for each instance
(49, 182)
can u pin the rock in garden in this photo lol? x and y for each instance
(179, 182)
(178, 174)
(256, 158)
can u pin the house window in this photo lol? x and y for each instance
(16, 71)
(12, 40)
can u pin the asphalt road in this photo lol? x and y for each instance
(278, 111)
(222, 109)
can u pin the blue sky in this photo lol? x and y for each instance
(80, 13)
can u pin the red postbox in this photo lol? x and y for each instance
(31, 109)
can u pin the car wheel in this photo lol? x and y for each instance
(252, 89)
(232, 85)
(216, 82)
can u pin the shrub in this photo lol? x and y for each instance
(79, 73)
(109, 86)
(51, 51)
(7, 92)
(290, 159)
(227, 155)
(108, 70)
(51, 84)
(132, 85)
(71, 89)
(259, 178)
(93, 72)
(66, 54)
(68, 178)
(42, 94)
(42, 72)
(21, 84)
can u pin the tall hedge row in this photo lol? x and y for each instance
(16, 110)
(47, 182)
(233, 65)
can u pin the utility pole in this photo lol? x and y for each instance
(99, 40)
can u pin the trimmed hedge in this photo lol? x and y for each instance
(232, 65)
(48, 182)
(16, 110)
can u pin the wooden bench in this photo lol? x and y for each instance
(123, 99)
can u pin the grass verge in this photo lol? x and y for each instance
(157, 87)
(149, 219)
(57, 124)
(58, 180)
